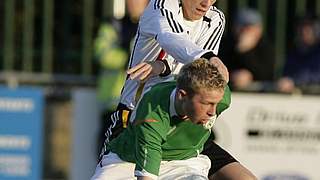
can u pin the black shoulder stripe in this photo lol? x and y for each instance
(180, 27)
(175, 24)
(158, 4)
(216, 39)
(162, 12)
(220, 32)
(168, 19)
(155, 4)
(162, 4)
(211, 37)
(220, 14)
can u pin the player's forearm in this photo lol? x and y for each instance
(181, 49)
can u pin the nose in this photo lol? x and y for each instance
(206, 3)
(212, 110)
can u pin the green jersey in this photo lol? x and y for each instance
(157, 133)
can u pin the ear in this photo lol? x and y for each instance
(181, 94)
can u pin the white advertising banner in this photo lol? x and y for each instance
(276, 136)
(84, 133)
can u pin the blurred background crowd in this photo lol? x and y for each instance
(269, 46)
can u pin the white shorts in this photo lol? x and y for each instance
(113, 168)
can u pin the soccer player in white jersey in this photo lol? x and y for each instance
(172, 33)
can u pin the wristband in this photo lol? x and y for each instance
(166, 70)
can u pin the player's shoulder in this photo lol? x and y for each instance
(215, 14)
(225, 102)
(164, 86)
(160, 89)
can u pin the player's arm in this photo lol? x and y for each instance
(150, 132)
(145, 70)
(162, 23)
(148, 152)
(210, 40)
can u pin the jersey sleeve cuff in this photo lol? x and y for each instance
(167, 70)
(145, 173)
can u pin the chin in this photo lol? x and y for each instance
(196, 18)
(199, 122)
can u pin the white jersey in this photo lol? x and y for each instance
(163, 27)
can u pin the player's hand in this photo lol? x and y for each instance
(145, 70)
(221, 67)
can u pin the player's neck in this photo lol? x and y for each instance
(179, 109)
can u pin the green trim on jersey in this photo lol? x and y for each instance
(155, 135)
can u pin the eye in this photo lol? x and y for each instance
(207, 103)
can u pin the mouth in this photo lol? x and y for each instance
(209, 124)
(203, 121)
(200, 10)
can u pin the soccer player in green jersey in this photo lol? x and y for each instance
(170, 126)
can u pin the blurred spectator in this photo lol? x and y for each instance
(112, 51)
(302, 67)
(112, 59)
(248, 55)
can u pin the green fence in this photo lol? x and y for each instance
(55, 37)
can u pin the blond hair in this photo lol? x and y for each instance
(200, 74)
